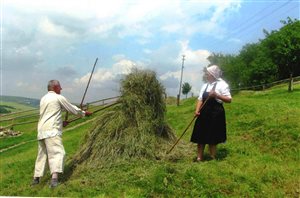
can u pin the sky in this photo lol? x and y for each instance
(61, 39)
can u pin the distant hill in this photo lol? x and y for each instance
(21, 100)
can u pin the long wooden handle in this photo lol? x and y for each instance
(88, 83)
(188, 126)
(182, 134)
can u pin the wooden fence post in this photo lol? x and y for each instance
(291, 83)
(12, 124)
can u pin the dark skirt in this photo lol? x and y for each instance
(210, 125)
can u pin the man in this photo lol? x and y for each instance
(50, 131)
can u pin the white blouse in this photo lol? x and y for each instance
(222, 88)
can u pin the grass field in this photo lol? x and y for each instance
(16, 107)
(260, 158)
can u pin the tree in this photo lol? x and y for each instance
(284, 46)
(275, 57)
(186, 88)
(3, 110)
(259, 67)
(232, 66)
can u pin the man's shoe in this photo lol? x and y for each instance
(35, 181)
(53, 183)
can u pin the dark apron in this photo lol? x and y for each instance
(210, 125)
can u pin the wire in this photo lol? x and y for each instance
(261, 18)
(242, 29)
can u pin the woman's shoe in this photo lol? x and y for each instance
(211, 158)
(199, 159)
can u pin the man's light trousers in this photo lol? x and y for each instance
(53, 150)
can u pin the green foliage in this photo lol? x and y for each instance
(284, 48)
(186, 88)
(5, 109)
(259, 66)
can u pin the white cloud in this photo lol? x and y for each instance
(194, 57)
(235, 40)
(203, 17)
(195, 61)
(22, 50)
(21, 84)
(103, 28)
(167, 75)
(123, 66)
(172, 28)
(48, 27)
(133, 18)
(48, 36)
(104, 76)
(75, 8)
(118, 57)
(147, 51)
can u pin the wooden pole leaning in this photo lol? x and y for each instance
(88, 83)
(81, 104)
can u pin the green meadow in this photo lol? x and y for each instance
(260, 158)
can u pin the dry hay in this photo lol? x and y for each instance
(135, 128)
(5, 132)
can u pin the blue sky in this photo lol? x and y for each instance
(60, 39)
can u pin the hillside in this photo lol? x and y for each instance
(21, 100)
(259, 159)
(9, 104)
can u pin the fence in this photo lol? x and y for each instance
(294, 80)
(18, 116)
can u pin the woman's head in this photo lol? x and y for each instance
(214, 71)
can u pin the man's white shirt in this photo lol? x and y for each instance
(50, 122)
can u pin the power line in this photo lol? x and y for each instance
(284, 11)
(238, 26)
(262, 18)
(252, 24)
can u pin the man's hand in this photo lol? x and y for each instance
(65, 123)
(87, 113)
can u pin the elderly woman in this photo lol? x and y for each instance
(210, 125)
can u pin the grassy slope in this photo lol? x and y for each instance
(17, 106)
(259, 159)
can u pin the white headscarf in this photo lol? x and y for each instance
(215, 71)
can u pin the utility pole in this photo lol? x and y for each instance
(178, 96)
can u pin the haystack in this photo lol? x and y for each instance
(135, 128)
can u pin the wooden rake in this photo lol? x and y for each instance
(190, 123)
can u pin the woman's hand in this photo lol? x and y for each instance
(198, 107)
(219, 96)
(213, 94)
